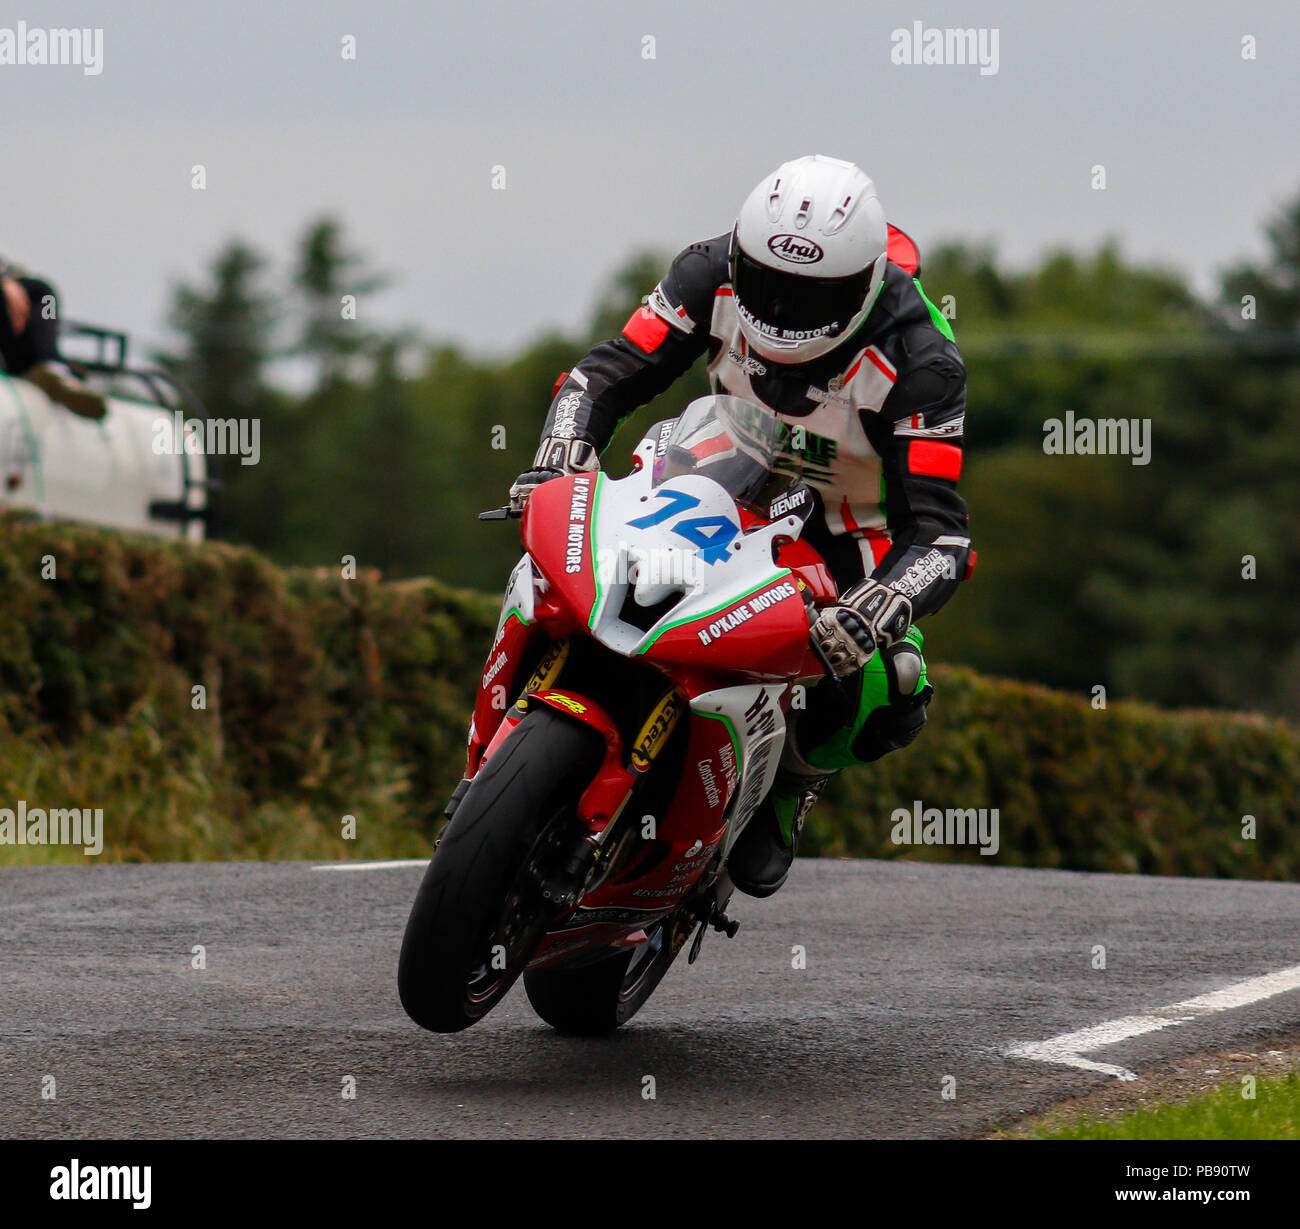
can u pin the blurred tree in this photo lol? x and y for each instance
(225, 329)
(331, 280)
(1275, 284)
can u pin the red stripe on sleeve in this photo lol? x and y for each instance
(934, 459)
(646, 329)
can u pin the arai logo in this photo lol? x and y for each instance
(797, 251)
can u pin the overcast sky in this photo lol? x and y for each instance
(606, 151)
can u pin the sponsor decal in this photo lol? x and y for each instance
(495, 668)
(760, 724)
(594, 917)
(548, 669)
(727, 759)
(658, 303)
(712, 794)
(787, 334)
(576, 534)
(797, 250)
(746, 362)
(566, 416)
(828, 394)
(916, 428)
(574, 706)
(923, 573)
(787, 503)
(666, 430)
(654, 733)
(739, 615)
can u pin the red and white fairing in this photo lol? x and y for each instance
(718, 597)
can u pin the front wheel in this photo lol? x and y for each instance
(478, 915)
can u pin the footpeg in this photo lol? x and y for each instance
(728, 926)
(718, 920)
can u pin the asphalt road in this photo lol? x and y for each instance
(915, 973)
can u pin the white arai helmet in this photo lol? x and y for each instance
(807, 258)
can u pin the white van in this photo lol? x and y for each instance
(107, 472)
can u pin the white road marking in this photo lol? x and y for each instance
(372, 866)
(1068, 1049)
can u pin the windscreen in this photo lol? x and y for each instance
(738, 445)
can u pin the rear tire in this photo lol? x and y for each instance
(477, 894)
(598, 998)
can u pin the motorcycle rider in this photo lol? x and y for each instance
(811, 308)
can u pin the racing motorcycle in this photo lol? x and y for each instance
(630, 718)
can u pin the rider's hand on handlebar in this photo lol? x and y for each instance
(556, 457)
(527, 483)
(868, 614)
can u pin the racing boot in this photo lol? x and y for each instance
(59, 384)
(762, 857)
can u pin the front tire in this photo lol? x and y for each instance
(478, 915)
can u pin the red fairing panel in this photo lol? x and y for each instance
(557, 534)
(685, 838)
(772, 644)
(494, 687)
(809, 567)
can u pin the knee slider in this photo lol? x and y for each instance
(892, 727)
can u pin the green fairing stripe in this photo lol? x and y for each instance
(591, 542)
(731, 601)
(940, 322)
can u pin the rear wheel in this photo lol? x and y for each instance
(479, 914)
(597, 998)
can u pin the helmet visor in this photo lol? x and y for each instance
(795, 305)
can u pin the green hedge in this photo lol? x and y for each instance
(328, 697)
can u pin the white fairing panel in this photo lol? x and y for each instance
(520, 592)
(692, 572)
(758, 723)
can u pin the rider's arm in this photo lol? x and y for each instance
(918, 434)
(658, 344)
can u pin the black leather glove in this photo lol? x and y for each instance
(868, 614)
(527, 483)
(556, 457)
